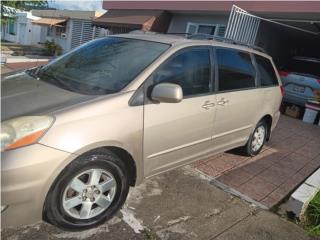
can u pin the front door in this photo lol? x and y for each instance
(22, 34)
(175, 133)
(238, 100)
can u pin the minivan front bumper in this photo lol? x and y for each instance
(26, 176)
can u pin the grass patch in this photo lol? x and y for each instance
(313, 216)
(149, 235)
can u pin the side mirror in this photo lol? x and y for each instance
(167, 92)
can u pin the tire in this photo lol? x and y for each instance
(97, 203)
(250, 149)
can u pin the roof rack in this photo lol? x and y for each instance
(204, 36)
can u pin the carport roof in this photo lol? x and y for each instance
(50, 21)
(126, 18)
(217, 6)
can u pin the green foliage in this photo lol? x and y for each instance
(24, 4)
(149, 235)
(21, 5)
(313, 216)
(51, 48)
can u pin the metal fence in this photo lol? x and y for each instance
(82, 32)
(242, 26)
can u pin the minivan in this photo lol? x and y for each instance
(79, 131)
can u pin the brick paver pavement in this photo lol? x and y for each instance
(9, 67)
(26, 65)
(292, 154)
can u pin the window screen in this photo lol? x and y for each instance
(235, 70)
(266, 71)
(189, 69)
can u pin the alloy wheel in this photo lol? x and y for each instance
(258, 138)
(89, 193)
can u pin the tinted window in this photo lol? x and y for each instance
(189, 69)
(235, 70)
(266, 71)
(102, 66)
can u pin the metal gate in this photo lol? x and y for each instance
(242, 26)
(83, 31)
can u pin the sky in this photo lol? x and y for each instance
(89, 5)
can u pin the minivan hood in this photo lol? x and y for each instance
(22, 94)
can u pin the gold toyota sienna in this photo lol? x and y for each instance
(79, 131)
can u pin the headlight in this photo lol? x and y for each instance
(22, 131)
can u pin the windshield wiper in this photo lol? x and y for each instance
(32, 72)
(50, 78)
(72, 85)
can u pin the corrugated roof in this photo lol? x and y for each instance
(85, 15)
(49, 21)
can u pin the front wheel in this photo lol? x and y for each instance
(88, 192)
(257, 139)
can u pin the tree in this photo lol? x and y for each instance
(21, 5)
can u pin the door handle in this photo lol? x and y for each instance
(207, 105)
(222, 101)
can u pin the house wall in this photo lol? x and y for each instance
(179, 22)
(35, 32)
(25, 32)
(64, 42)
(78, 31)
(43, 34)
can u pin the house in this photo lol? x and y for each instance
(122, 21)
(67, 28)
(19, 28)
(282, 28)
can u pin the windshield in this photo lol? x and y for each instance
(102, 66)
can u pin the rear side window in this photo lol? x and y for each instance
(266, 71)
(235, 70)
(190, 69)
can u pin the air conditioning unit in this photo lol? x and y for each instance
(63, 35)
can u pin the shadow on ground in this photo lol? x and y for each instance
(181, 204)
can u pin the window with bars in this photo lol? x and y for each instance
(211, 29)
(12, 28)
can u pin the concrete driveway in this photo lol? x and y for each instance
(181, 204)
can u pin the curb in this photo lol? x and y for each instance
(300, 198)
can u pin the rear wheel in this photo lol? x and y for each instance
(257, 139)
(88, 192)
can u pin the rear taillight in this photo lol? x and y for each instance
(318, 80)
(283, 73)
(282, 90)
